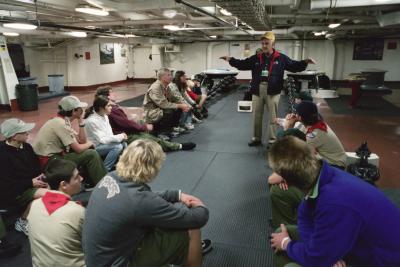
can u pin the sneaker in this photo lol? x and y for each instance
(163, 137)
(254, 143)
(188, 146)
(189, 126)
(174, 134)
(21, 225)
(8, 250)
(206, 246)
(196, 120)
(179, 129)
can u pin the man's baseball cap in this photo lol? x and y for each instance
(306, 109)
(15, 126)
(303, 95)
(268, 35)
(71, 102)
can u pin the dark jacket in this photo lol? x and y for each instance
(18, 168)
(257, 63)
(120, 123)
(350, 220)
(120, 213)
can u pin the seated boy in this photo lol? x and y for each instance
(55, 222)
(20, 176)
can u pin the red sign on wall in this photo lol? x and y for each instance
(87, 55)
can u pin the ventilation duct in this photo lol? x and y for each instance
(316, 4)
(389, 19)
(250, 11)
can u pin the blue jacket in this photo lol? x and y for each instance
(257, 63)
(350, 220)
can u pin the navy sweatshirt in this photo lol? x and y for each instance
(18, 168)
(350, 220)
(257, 63)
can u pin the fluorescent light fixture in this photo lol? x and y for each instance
(225, 12)
(323, 32)
(213, 36)
(77, 34)
(317, 33)
(129, 35)
(106, 36)
(170, 13)
(20, 26)
(334, 25)
(91, 10)
(90, 27)
(171, 27)
(209, 9)
(10, 34)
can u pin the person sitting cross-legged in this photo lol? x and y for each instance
(342, 221)
(57, 139)
(120, 123)
(99, 131)
(20, 176)
(55, 221)
(127, 224)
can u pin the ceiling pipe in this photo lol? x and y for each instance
(318, 4)
(211, 15)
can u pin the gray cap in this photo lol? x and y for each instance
(71, 102)
(14, 126)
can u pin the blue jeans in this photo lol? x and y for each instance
(186, 118)
(111, 152)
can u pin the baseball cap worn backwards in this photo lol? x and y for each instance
(268, 35)
(15, 126)
(71, 102)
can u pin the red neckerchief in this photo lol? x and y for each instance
(53, 201)
(275, 55)
(319, 125)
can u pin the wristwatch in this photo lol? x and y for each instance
(81, 125)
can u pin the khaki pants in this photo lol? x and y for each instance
(258, 102)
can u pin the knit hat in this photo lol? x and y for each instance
(268, 35)
(71, 102)
(15, 126)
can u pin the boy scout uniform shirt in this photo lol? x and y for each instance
(328, 146)
(55, 137)
(56, 239)
(158, 98)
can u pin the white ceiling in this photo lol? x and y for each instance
(146, 18)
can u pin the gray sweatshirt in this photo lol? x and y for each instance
(120, 213)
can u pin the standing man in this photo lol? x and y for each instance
(267, 71)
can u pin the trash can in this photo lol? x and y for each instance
(56, 83)
(27, 94)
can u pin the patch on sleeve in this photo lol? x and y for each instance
(311, 135)
(111, 185)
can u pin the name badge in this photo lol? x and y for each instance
(264, 73)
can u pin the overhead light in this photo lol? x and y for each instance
(106, 36)
(20, 26)
(334, 25)
(323, 32)
(129, 35)
(77, 34)
(225, 12)
(170, 13)
(91, 10)
(10, 34)
(213, 36)
(90, 27)
(317, 33)
(209, 9)
(171, 27)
